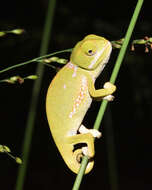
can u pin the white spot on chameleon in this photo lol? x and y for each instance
(72, 132)
(70, 65)
(74, 67)
(80, 97)
(64, 86)
(75, 71)
(70, 115)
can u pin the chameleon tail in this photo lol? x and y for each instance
(74, 162)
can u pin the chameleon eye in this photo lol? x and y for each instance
(89, 48)
(90, 52)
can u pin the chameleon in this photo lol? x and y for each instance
(70, 95)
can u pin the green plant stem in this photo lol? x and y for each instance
(35, 95)
(80, 174)
(112, 80)
(35, 60)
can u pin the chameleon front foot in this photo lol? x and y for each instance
(109, 98)
(111, 88)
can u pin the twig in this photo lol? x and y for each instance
(38, 59)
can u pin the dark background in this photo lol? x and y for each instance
(129, 116)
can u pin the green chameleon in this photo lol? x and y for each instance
(70, 95)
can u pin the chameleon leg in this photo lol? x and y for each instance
(83, 138)
(95, 133)
(107, 90)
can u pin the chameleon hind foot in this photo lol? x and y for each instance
(93, 132)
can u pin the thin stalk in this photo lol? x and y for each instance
(80, 174)
(35, 96)
(112, 80)
(35, 60)
(119, 60)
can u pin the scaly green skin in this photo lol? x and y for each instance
(70, 95)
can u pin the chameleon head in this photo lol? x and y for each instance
(91, 52)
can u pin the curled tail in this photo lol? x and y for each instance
(73, 161)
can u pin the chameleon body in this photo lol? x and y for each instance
(70, 95)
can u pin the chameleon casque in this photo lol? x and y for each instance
(70, 95)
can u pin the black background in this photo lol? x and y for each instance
(130, 113)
